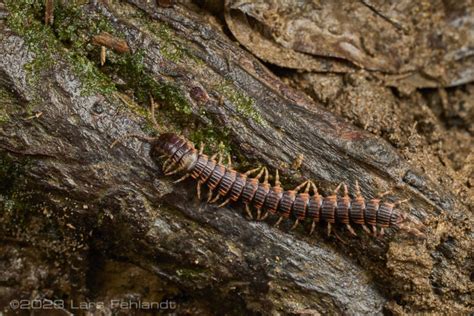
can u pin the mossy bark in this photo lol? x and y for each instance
(76, 213)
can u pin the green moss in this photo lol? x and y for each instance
(194, 275)
(215, 141)
(47, 43)
(244, 104)
(132, 70)
(171, 46)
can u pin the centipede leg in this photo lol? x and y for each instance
(351, 230)
(295, 224)
(181, 168)
(182, 178)
(367, 230)
(313, 226)
(249, 172)
(215, 199)
(198, 189)
(301, 185)
(278, 222)
(277, 178)
(259, 210)
(247, 210)
(224, 203)
(168, 163)
(382, 232)
(339, 238)
(336, 190)
(329, 229)
(209, 195)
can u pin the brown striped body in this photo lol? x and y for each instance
(237, 187)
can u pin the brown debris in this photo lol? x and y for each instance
(117, 44)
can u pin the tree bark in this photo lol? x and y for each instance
(81, 209)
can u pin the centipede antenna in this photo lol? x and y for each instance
(143, 138)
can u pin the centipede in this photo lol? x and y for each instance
(253, 190)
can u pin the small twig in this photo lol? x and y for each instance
(49, 12)
(116, 44)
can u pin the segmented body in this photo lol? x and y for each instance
(261, 196)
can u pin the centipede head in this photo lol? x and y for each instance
(166, 144)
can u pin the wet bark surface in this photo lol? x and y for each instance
(83, 221)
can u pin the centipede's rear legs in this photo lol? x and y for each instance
(376, 201)
(392, 207)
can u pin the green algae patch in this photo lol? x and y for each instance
(244, 104)
(48, 43)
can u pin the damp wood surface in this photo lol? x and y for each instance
(89, 217)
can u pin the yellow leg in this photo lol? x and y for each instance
(336, 190)
(381, 232)
(168, 162)
(209, 195)
(301, 185)
(277, 179)
(357, 189)
(265, 177)
(351, 230)
(329, 229)
(367, 230)
(262, 170)
(249, 172)
(215, 199)
(259, 214)
(313, 226)
(181, 168)
(224, 203)
(295, 224)
(199, 189)
(278, 221)
(247, 210)
(182, 178)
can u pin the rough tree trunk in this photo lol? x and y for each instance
(85, 222)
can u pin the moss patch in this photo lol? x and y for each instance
(244, 104)
(25, 18)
